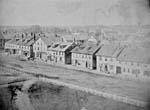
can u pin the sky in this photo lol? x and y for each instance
(74, 12)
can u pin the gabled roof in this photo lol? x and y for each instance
(13, 41)
(87, 48)
(109, 50)
(60, 46)
(30, 42)
(138, 55)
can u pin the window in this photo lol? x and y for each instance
(111, 66)
(60, 59)
(56, 45)
(132, 64)
(147, 73)
(62, 46)
(145, 65)
(85, 56)
(105, 59)
(124, 70)
(82, 56)
(111, 59)
(38, 48)
(119, 62)
(89, 57)
(100, 58)
(128, 70)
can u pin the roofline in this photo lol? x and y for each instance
(82, 53)
(133, 61)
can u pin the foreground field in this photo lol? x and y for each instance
(46, 96)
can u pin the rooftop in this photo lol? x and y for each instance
(139, 55)
(60, 46)
(110, 50)
(87, 48)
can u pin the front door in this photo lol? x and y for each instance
(118, 70)
(106, 68)
(86, 64)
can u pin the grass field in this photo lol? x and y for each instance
(46, 96)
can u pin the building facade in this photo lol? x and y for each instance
(11, 47)
(106, 58)
(84, 55)
(134, 62)
(40, 48)
(60, 53)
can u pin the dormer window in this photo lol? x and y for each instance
(62, 46)
(56, 45)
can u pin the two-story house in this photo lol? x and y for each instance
(60, 52)
(41, 45)
(84, 55)
(134, 62)
(12, 46)
(106, 58)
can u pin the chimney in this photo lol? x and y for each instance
(22, 36)
(34, 37)
(31, 34)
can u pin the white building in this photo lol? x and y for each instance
(84, 55)
(41, 45)
(106, 58)
(134, 62)
(59, 52)
(12, 47)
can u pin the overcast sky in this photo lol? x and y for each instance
(74, 12)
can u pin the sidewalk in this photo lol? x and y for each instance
(96, 72)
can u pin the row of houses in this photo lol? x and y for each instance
(110, 58)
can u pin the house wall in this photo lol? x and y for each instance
(56, 57)
(38, 47)
(13, 48)
(82, 60)
(106, 64)
(135, 69)
(24, 50)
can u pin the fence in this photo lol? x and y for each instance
(87, 90)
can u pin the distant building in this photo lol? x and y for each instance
(59, 52)
(3, 39)
(134, 62)
(106, 58)
(75, 37)
(12, 47)
(84, 55)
